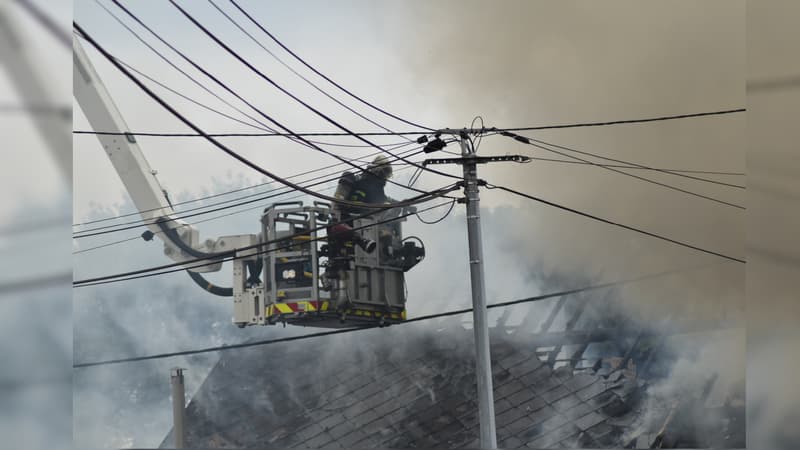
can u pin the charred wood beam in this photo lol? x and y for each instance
(570, 325)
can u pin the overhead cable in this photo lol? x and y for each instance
(220, 216)
(416, 132)
(623, 166)
(625, 121)
(636, 165)
(298, 74)
(219, 194)
(225, 148)
(203, 262)
(272, 82)
(358, 328)
(261, 125)
(531, 142)
(301, 60)
(240, 97)
(617, 224)
(217, 206)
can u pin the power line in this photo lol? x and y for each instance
(230, 254)
(223, 147)
(625, 121)
(262, 28)
(628, 163)
(449, 210)
(622, 166)
(352, 329)
(239, 135)
(136, 224)
(132, 238)
(223, 193)
(269, 80)
(298, 74)
(183, 214)
(228, 116)
(647, 180)
(231, 91)
(415, 132)
(262, 126)
(109, 244)
(647, 233)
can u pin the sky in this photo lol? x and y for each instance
(525, 64)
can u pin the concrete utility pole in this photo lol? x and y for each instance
(483, 364)
(178, 402)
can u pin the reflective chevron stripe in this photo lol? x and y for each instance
(313, 306)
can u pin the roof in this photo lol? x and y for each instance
(404, 387)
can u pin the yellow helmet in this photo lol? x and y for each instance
(380, 167)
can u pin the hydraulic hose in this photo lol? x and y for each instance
(201, 281)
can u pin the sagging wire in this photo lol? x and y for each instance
(479, 137)
(449, 210)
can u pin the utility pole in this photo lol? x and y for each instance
(483, 365)
(178, 402)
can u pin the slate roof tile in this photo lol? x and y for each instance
(502, 406)
(331, 421)
(554, 395)
(520, 425)
(509, 416)
(554, 421)
(563, 404)
(554, 437)
(464, 408)
(513, 359)
(579, 381)
(351, 438)
(526, 367)
(522, 396)
(318, 441)
(511, 442)
(309, 431)
(506, 389)
(542, 414)
(578, 411)
(340, 430)
(589, 420)
(591, 390)
(534, 404)
(532, 433)
(470, 420)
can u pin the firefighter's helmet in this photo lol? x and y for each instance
(380, 167)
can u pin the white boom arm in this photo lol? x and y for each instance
(137, 176)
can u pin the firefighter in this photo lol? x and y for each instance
(366, 188)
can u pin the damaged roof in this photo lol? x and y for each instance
(404, 387)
